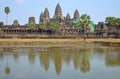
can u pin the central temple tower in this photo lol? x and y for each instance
(58, 12)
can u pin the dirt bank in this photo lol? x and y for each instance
(56, 41)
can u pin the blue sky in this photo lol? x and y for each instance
(23, 9)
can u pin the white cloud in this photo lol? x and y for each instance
(19, 1)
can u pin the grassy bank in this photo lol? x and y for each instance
(56, 41)
(42, 41)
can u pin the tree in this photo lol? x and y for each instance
(42, 26)
(77, 25)
(7, 11)
(85, 20)
(32, 25)
(54, 25)
(111, 21)
(118, 22)
(105, 29)
(66, 32)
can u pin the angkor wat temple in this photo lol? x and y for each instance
(22, 31)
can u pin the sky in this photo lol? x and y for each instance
(21, 10)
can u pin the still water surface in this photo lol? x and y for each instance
(59, 63)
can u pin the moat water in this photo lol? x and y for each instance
(64, 62)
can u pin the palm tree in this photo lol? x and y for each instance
(7, 10)
(85, 19)
(54, 25)
(42, 26)
(32, 25)
(78, 26)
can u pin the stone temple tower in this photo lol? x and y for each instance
(76, 15)
(58, 12)
(31, 20)
(46, 16)
(46, 13)
(41, 17)
(15, 23)
(68, 16)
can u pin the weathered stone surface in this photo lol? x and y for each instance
(68, 16)
(1, 23)
(46, 13)
(41, 17)
(76, 15)
(58, 12)
(16, 23)
(31, 20)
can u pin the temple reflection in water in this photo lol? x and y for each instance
(80, 58)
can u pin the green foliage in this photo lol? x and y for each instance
(118, 22)
(85, 19)
(32, 25)
(77, 24)
(113, 21)
(42, 25)
(91, 25)
(55, 25)
(105, 29)
(7, 10)
(66, 32)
